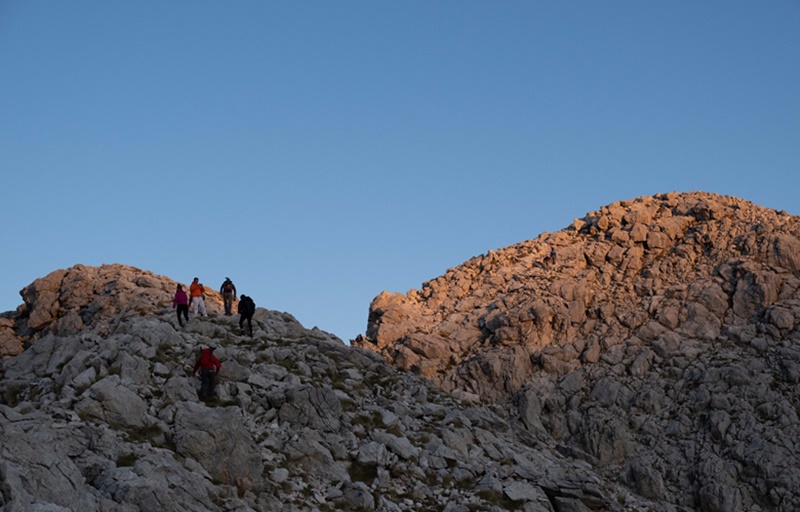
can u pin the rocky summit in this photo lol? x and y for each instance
(99, 411)
(645, 358)
(655, 340)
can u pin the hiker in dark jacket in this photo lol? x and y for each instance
(228, 292)
(209, 366)
(247, 309)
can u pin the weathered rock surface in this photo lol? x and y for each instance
(10, 343)
(661, 346)
(66, 301)
(106, 418)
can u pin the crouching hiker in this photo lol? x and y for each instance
(247, 309)
(209, 366)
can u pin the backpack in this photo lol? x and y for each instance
(248, 306)
(206, 359)
(228, 286)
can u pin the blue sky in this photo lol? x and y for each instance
(320, 152)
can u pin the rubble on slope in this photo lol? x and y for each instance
(107, 418)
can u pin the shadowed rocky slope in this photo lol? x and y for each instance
(661, 346)
(99, 412)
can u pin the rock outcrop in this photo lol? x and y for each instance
(65, 302)
(660, 345)
(103, 415)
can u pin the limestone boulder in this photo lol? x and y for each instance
(46, 358)
(10, 344)
(36, 468)
(784, 251)
(391, 317)
(108, 400)
(317, 408)
(42, 299)
(218, 440)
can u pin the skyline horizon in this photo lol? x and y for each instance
(347, 339)
(321, 153)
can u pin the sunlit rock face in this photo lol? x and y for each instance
(655, 338)
(94, 298)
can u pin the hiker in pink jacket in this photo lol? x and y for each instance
(181, 303)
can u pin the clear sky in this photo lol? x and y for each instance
(319, 152)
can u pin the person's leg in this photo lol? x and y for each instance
(210, 374)
(185, 308)
(195, 305)
(206, 383)
(212, 378)
(178, 311)
(202, 385)
(202, 306)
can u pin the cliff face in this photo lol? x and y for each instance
(100, 412)
(659, 344)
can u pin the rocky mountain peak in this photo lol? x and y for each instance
(694, 265)
(657, 339)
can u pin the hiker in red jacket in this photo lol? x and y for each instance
(209, 367)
